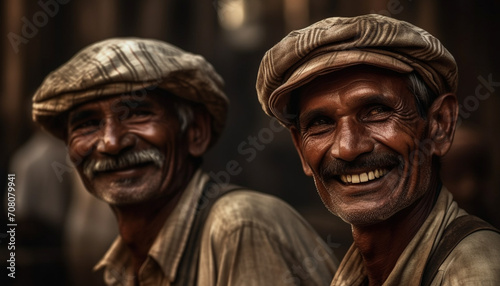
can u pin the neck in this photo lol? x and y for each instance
(139, 224)
(381, 244)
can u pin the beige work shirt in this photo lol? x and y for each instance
(248, 239)
(475, 260)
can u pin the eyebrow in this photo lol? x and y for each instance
(369, 99)
(80, 115)
(366, 99)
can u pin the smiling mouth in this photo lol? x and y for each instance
(364, 177)
(125, 168)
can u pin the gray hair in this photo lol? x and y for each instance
(185, 113)
(424, 96)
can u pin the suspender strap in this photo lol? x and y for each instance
(188, 266)
(455, 232)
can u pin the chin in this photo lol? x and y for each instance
(368, 213)
(127, 192)
(362, 217)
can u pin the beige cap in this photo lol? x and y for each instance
(124, 65)
(338, 42)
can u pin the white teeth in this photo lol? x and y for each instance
(363, 177)
(371, 175)
(355, 179)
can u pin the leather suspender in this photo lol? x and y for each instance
(455, 232)
(188, 266)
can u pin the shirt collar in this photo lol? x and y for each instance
(409, 267)
(168, 248)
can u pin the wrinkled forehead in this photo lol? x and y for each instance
(357, 79)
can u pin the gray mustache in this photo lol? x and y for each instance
(123, 161)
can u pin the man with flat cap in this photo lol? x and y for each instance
(370, 103)
(137, 115)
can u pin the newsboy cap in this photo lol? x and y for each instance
(126, 65)
(339, 42)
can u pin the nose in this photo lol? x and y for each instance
(351, 140)
(114, 137)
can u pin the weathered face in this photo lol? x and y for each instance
(126, 150)
(360, 136)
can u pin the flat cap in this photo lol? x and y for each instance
(126, 65)
(339, 42)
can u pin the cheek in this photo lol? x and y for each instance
(157, 133)
(148, 131)
(79, 149)
(314, 152)
(402, 137)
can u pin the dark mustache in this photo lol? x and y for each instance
(335, 167)
(124, 160)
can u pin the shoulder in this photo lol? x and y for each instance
(247, 232)
(247, 213)
(248, 207)
(479, 254)
(249, 201)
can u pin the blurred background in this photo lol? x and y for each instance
(62, 231)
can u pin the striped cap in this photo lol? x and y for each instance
(125, 65)
(338, 42)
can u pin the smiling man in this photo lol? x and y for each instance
(137, 116)
(370, 103)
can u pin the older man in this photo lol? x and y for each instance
(137, 115)
(370, 103)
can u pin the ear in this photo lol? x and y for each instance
(296, 142)
(199, 133)
(443, 115)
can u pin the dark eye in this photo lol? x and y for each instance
(318, 125)
(140, 112)
(377, 113)
(322, 120)
(86, 126)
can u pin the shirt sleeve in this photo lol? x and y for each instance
(254, 239)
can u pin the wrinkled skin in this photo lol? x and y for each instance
(373, 157)
(143, 193)
(111, 127)
(359, 121)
